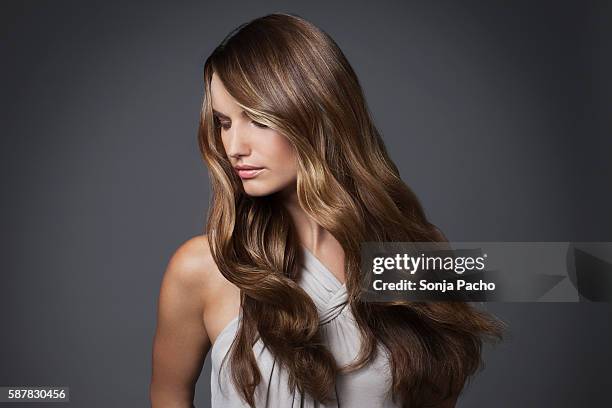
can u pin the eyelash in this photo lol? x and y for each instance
(219, 124)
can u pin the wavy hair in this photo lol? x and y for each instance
(291, 76)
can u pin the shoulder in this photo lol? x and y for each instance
(192, 261)
(193, 256)
(193, 268)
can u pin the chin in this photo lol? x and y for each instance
(254, 190)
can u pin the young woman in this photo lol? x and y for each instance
(300, 177)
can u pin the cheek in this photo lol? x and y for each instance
(282, 153)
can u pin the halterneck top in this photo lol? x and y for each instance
(366, 387)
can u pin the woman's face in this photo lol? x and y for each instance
(248, 144)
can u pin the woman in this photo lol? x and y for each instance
(300, 177)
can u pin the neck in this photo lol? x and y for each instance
(310, 234)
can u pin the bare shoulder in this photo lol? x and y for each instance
(192, 262)
(192, 265)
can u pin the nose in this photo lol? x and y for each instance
(237, 144)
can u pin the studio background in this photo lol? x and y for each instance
(497, 115)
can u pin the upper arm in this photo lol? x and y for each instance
(181, 342)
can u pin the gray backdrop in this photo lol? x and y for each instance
(497, 114)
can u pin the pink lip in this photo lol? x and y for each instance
(249, 173)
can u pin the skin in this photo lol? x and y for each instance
(196, 302)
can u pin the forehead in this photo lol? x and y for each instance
(221, 99)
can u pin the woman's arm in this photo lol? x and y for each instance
(181, 342)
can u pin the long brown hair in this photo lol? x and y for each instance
(290, 75)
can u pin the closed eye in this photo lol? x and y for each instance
(226, 125)
(221, 124)
(259, 125)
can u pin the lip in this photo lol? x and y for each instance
(248, 172)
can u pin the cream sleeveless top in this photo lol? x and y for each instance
(367, 387)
